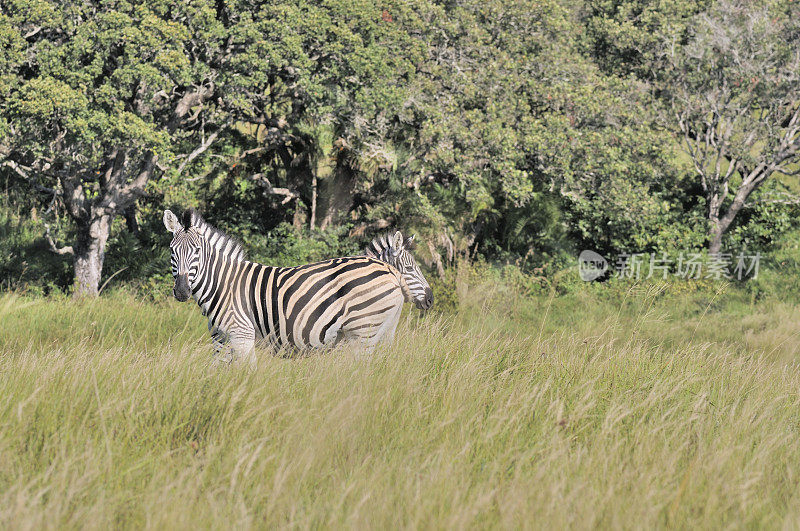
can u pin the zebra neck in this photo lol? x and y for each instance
(214, 282)
(210, 277)
(385, 257)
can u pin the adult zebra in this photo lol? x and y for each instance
(394, 250)
(315, 305)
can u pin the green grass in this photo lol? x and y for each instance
(644, 410)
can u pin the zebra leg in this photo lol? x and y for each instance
(386, 331)
(222, 349)
(243, 341)
(366, 338)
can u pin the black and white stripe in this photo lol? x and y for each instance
(395, 251)
(314, 305)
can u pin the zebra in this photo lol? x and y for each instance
(394, 250)
(357, 298)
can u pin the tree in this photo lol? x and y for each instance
(507, 123)
(624, 37)
(323, 128)
(98, 99)
(733, 91)
(105, 102)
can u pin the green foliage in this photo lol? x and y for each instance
(765, 224)
(512, 132)
(779, 276)
(625, 36)
(287, 246)
(726, 75)
(26, 263)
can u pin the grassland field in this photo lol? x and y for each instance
(653, 410)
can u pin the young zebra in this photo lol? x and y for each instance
(314, 305)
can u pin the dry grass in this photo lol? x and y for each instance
(111, 415)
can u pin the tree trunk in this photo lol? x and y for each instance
(299, 218)
(719, 225)
(90, 253)
(130, 221)
(337, 194)
(313, 201)
(715, 237)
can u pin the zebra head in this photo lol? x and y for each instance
(185, 253)
(395, 251)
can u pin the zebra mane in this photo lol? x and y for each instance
(378, 248)
(229, 246)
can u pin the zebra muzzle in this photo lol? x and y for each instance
(426, 301)
(181, 289)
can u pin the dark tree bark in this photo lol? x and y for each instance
(131, 222)
(336, 196)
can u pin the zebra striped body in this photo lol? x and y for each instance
(306, 306)
(310, 306)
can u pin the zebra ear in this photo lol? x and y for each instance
(171, 222)
(397, 241)
(410, 243)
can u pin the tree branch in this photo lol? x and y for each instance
(75, 198)
(32, 32)
(199, 150)
(787, 171)
(262, 179)
(185, 104)
(23, 172)
(781, 198)
(135, 188)
(53, 247)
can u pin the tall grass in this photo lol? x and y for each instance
(533, 413)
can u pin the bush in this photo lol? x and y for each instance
(26, 262)
(287, 246)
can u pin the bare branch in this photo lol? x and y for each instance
(199, 150)
(262, 179)
(32, 32)
(251, 152)
(53, 247)
(781, 198)
(792, 122)
(23, 172)
(17, 169)
(786, 171)
(187, 102)
(136, 186)
(731, 168)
